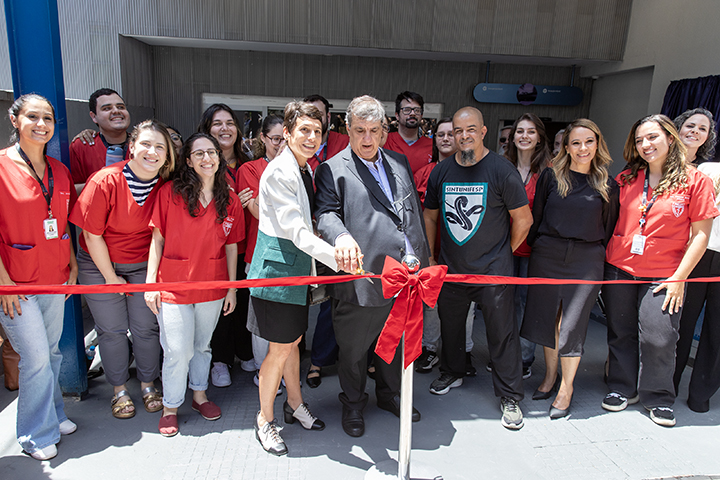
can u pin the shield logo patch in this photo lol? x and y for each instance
(678, 208)
(463, 209)
(227, 225)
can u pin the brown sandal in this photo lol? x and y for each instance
(151, 394)
(118, 406)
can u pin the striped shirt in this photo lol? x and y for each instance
(140, 189)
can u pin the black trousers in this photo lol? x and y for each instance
(705, 378)
(356, 331)
(231, 336)
(498, 308)
(641, 339)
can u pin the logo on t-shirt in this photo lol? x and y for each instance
(463, 209)
(227, 225)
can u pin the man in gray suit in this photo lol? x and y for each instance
(366, 200)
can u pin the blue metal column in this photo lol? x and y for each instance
(36, 62)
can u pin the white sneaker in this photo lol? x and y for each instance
(248, 365)
(67, 427)
(44, 453)
(220, 375)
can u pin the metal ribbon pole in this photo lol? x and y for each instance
(406, 402)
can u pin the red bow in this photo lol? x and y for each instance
(407, 313)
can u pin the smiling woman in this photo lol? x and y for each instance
(663, 202)
(198, 200)
(696, 129)
(114, 210)
(286, 246)
(36, 193)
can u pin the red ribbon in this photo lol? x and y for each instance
(406, 315)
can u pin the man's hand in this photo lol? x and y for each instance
(87, 136)
(347, 253)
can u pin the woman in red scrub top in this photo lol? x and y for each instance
(197, 223)
(663, 203)
(36, 192)
(114, 212)
(230, 338)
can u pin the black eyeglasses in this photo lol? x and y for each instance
(409, 110)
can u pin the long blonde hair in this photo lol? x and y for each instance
(674, 170)
(598, 176)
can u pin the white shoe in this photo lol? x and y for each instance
(220, 375)
(248, 365)
(44, 453)
(67, 427)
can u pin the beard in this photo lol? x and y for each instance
(467, 156)
(411, 123)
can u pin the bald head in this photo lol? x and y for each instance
(471, 112)
(469, 131)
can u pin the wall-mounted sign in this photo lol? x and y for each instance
(527, 94)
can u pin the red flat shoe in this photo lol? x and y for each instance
(208, 410)
(168, 426)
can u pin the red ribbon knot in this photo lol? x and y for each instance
(406, 315)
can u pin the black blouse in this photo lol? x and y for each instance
(582, 215)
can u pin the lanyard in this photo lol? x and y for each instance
(645, 207)
(51, 182)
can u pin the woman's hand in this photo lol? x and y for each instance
(674, 295)
(116, 281)
(152, 300)
(72, 279)
(10, 301)
(245, 197)
(230, 301)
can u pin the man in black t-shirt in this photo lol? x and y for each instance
(475, 194)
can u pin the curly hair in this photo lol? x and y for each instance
(598, 176)
(161, 128)
(541, 156)
(188, 185)
(705, 150)
(674, 169)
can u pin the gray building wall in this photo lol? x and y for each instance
(557, 29)
(628, 94)
(182, 75)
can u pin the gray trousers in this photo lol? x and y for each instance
(114, 315)
(356, 330)
(641, 340)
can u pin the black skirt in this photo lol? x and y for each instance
(279, 322)
(560, 258)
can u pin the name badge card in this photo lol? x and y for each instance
(638, 244)
(51, 228)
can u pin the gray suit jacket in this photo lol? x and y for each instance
(349, 199)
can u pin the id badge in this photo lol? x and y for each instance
(638, 244)
(50, 226)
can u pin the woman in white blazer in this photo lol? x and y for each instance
(286, 246)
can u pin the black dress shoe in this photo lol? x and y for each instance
(393, 406)
(313, 382)
(556, 413)
(540, 395)
(353, 422)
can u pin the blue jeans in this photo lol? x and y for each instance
(520, 266)
(34, 336)
(185, 333)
